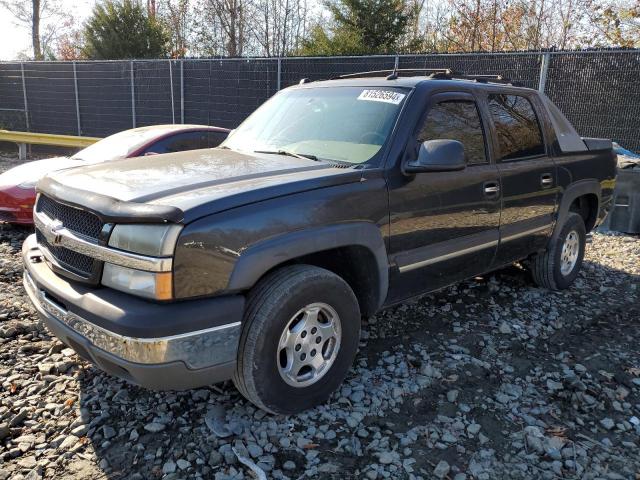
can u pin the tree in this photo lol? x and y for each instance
(230, 19)
(178, 19)
(123, 30)
(499, 25)
(338, 42)
(68, 45)
(361, 26)
(30, 14)
(279, 25)
(617, 23)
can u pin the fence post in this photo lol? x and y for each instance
(544, 70)
(133, 98)
(24, 95)
(182, 91)
(75, 87)
(279, 74)
(173, 110)
(396, 62)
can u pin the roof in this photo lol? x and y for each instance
(176, 127)
(408, 82)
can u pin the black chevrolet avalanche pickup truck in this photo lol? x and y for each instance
(256, 261)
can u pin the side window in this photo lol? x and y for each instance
(180, 142)
(216, 138)
(516, 126)
(456, 120)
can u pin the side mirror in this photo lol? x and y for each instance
(438, 156)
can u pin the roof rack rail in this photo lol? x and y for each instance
(396, 71)
(433, 73)
(479, 78)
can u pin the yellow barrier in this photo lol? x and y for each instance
(23, 138)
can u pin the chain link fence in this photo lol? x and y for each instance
(597, 90)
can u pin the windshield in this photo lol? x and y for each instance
(344, 124)
(116, 146)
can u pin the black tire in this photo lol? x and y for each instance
(271, 305)
(546, 266)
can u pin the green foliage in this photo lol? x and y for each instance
(360, 27)
(119, 30)
(340, 42)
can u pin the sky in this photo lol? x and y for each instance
(15, 39)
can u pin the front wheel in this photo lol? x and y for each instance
(299, 337)
(558, 266)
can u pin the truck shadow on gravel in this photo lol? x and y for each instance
(493, 378)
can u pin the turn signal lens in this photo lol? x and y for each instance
(158, 286)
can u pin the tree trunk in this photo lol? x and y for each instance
(35, 31)
(476, 27)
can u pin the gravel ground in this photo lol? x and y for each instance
(493, 378)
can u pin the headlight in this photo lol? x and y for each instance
(137, 282)
(154, 240)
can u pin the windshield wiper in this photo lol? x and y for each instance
(305, 156)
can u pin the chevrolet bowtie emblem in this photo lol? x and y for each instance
(55, 227)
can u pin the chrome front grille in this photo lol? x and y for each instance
(81, 222)
(73, 261)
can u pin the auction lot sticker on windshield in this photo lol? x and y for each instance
(386, 96)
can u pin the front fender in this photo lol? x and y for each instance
(258, 259)
(229, 251)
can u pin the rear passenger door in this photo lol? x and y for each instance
(444, 225)
(527, 172)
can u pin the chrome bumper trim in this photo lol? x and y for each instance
(199, 349)
(66, 238)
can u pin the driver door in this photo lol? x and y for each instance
(444, 226)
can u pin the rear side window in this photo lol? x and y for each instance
(216, 138)
(516, 126)
(456, 120)
(180, 142)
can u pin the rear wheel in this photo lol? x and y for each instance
(299, 337)
(558, 266)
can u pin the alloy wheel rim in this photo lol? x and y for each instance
(570, 251)
(309, 345)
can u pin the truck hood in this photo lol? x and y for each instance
(196, 182)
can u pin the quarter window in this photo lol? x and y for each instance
(456, 120)
(516, 126)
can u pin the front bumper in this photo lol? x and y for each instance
(159, 346)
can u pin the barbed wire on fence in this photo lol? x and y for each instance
(597, 90)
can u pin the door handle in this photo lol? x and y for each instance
(546, 180)
(491, 189)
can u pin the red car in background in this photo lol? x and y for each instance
(17, 185)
